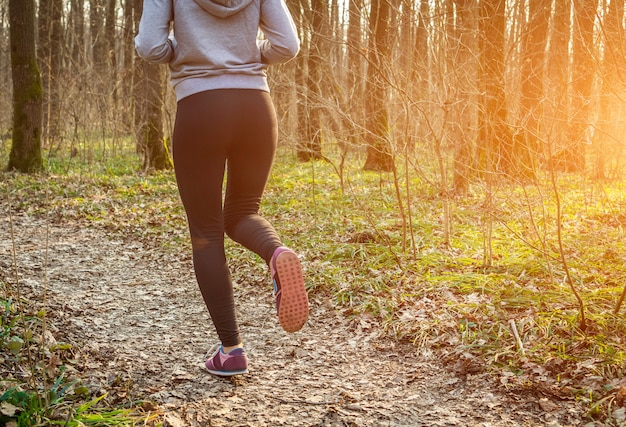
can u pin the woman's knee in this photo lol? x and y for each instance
(206, 237)
(230, 225)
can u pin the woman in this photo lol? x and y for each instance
(226, 124)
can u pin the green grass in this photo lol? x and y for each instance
(34, 391)
(358, 250)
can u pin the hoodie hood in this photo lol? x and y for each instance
(223, 8)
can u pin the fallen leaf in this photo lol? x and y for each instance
(619, 415)
(547, 405)
(173, 420)
(8, 409)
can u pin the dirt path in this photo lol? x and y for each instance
(140, 328)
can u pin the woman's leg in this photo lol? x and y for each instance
(202, 133)
(249, 163)
(250, 158)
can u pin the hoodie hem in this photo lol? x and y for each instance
(191, 86)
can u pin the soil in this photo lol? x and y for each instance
(139, 330)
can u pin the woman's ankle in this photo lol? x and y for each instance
(228, 349)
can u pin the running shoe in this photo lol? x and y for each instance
(292, 302)
(226, 364)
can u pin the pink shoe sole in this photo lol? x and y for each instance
(293, 309)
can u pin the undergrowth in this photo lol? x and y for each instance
(40, 384)
(512, 311)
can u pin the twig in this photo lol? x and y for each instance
(559, 233)
(306, 402)
(518, 340)
(20, 301)
(621, 300)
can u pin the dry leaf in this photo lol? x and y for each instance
(547, 405)
(8, 409)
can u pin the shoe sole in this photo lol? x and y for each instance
(293, 310)
(225, 373)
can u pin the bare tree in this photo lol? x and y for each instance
(375, 77)
(25, 153)
(311, 147)
(126, 73)
(298, 10)
(75, 33)
(534, 38)
(379, 150)
(466, 72)
(557, 76)
(353, 99)
(109, 43)
(99, 57)
(495, 133)
(50, 53)
(573, 158)
(420, 48)
(149, 98)
(611, 122)
(5, 72)
(150, 137)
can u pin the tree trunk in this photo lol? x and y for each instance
(355, 89)
(109, 41)
(302, 102)
(5, 65)
(318, 17)
(150, 133)
(611, 121)
(98, 40)
(379, 154)
(76, 33)
(405, 24)
(50, 61)
(557, 80)
(534, 39)
(421, 60)
(149, 96)
(25, 153)
(136, 90)
(464, 53)
(127, 72)
(495, 133)
(573, 158)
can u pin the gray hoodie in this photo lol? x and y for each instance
(214, 43)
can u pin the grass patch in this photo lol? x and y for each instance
(38, 385)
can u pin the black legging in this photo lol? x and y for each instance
(218, 130)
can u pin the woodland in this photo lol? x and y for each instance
(451, 170)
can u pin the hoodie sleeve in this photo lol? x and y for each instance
(281, 43)
(152, 42)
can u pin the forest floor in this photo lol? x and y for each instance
(139, 330)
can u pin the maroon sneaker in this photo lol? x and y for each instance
(292, 302)
(227, 364)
